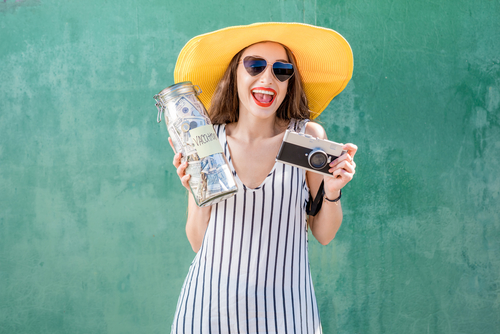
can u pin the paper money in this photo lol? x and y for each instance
(211, 179)
(224, 174)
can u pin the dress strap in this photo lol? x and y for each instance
(298, 126)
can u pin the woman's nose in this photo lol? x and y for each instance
(267, 76)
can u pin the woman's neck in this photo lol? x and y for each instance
(251, 128)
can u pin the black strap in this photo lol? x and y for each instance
(313, 207)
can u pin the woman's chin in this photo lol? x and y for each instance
(258, 109)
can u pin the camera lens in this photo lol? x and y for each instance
(318, 159)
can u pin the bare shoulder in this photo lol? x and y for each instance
(316, 130)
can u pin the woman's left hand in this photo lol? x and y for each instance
(342, 169)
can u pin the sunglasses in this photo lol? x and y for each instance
(256, 65)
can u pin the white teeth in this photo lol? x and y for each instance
(263, 91)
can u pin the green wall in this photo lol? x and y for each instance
(92, 213)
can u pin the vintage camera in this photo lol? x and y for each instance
(307, 152)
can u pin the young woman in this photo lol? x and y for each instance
(251, 271)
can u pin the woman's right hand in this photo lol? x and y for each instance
(181, 167)
(198, 217)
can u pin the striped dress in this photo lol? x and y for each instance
(252, 274)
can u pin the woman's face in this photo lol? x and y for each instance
(261, 95)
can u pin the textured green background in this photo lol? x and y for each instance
(92, 213)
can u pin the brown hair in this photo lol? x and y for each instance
(224, 106)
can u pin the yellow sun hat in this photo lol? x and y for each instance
(324, 58)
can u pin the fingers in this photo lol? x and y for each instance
(345, 175)
(181, 169)
(344, 157)
(345, 165)
(177, 160)
(177, 156)
(340, 177)
(343, 169)
(185, 181)
(181, 172)
(351, 149)
(345, 161)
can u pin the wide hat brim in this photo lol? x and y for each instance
(324, 58)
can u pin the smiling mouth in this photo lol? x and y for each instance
(263, 97)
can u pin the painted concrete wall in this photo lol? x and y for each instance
(92, 213)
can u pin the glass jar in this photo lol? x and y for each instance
(193, 135)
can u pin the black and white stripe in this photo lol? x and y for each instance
(252, 272)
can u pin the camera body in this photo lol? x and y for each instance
(307, 152)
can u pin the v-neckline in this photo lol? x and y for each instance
(230, 160)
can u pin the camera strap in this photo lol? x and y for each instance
(313, 206)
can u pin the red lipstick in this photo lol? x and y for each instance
(263, 90)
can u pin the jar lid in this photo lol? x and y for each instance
(185, 87)
(173, 91)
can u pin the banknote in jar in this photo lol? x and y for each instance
(222, 173)
(196, 180)
(213, 184)
(185, 108)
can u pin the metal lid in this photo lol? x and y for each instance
(177, 89)
(185, 87)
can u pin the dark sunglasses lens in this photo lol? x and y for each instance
(254, 65)
(282, 71)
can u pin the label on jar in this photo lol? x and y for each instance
(205, 141)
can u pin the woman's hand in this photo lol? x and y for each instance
(342, 169)
(181, 167)
(198, 218)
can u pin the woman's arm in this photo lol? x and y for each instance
(197, 223)
(198, 218)
(326, 223)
